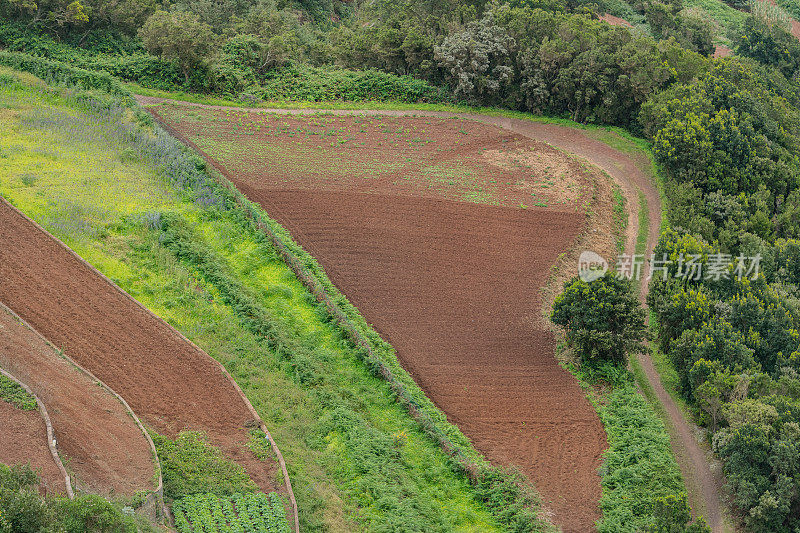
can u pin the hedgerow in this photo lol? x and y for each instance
(61, 74)
(317, 84)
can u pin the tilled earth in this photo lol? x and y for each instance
(168, 383)
(455, 286)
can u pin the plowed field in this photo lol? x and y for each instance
(168, 383)
(23, 440)
(455, 286)
(104, 447)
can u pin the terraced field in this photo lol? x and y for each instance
(453, 285)
(106, 450)
(167, 381)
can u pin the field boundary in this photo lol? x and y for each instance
(219, 365)
(158, 492)
(51, 445)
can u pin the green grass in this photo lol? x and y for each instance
(13, 393)
(620, 218)
(644, 225)
(728, 19)
(191, 465)
(326, 410)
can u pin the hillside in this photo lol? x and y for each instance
(395, 297)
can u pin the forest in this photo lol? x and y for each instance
(725, 134)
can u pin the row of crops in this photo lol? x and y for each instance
(240, 513)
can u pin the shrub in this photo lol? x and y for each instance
(602, 318)
(13, 393)
(191, 465)
(92, 513)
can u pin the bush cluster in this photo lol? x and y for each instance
(23, 509)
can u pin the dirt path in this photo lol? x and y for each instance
(168, 382)
(104, 447)
(633, 175)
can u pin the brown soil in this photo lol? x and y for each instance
(722, 51)
(615, 21)
(632, 173)
(438, 158)
(455, 287)
(23, 440)
(104, 448)
(168, 383)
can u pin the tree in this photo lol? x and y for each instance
(602, 318)
(478, 59)
(178, 36)
(673, 515)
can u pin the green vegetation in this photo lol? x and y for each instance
(793, 8)
(487, 54)
(22, 509)
(239, 513)
(191, 465)
(724, 134)
(356, 457)
(620, 218)
(639, 471)
(602, 318)
(729, 328)
(13, 393)
(766, 37)
(642, 485)
(728, 19)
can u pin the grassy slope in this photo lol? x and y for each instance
(72, 175)
(727, 18)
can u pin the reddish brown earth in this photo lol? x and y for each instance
(722, 51)
(23, 440)
(456, 288)
(168, 383)
(104, 447)
(432, 157)
(615, 21)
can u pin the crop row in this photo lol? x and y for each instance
(240, 513)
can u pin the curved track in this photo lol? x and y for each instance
(633, 175)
